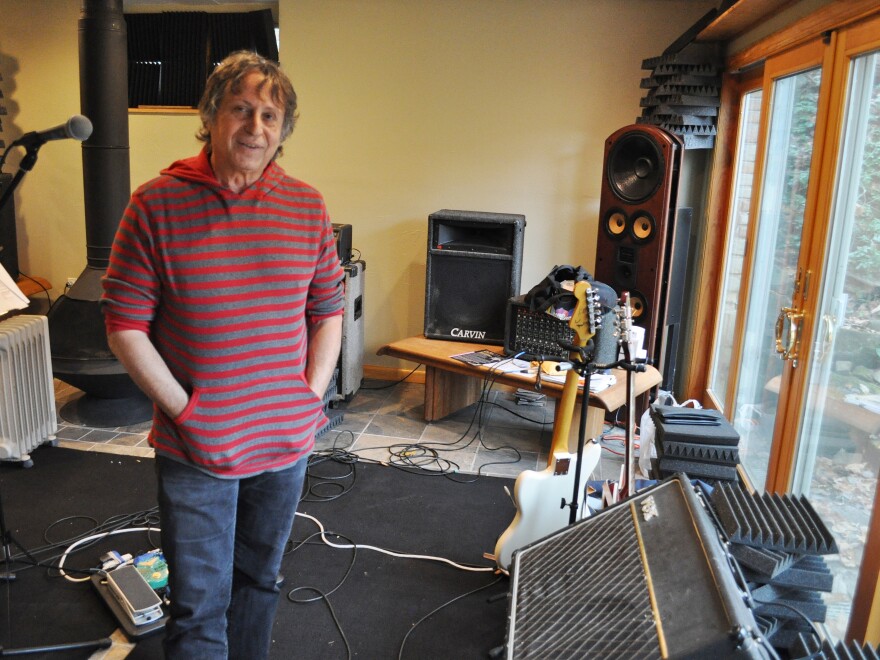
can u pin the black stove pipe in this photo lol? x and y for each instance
(80, 354)
(103, 83)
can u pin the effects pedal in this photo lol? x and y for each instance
(132, 600)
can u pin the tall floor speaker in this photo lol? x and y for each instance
(473, 267)
(8, 240)
(635, 245)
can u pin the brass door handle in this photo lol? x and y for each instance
(789, 351)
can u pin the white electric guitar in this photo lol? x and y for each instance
(540, 497)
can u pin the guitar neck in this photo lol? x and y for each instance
(583, 323)
(565, 411)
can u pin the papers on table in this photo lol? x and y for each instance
(496, 363)
(11, 296)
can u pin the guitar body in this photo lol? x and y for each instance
(538, 496)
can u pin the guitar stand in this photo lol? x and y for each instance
(584, 367)
(631, 367)
(6, 539)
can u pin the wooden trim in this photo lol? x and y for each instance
(789, 413)
(864, 623)
(740, 17)
(163, 110)
(394, 373)
(748, 264)
(864, 620)
(832, 16)
(717, 222)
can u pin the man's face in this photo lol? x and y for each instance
(245, 133)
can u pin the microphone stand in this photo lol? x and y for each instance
(26, 165)
(6, 540)
(8, 576)
(632, 366)
(584, 367)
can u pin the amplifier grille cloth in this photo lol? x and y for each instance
(616, 603)
(646, 578)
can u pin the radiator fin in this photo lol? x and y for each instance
(27, 396)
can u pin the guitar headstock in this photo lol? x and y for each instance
(625, 319)
(586, 318)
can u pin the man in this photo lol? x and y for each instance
(223, 300)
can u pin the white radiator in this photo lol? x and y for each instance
(27, 395)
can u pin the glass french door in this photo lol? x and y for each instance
(796, 358)
(837, 451)
(775, 277)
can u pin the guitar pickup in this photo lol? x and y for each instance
(561, 467)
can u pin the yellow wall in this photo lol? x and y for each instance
(407, 107)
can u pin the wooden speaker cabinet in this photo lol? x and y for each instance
(636, 222)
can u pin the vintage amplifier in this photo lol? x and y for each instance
(646, 578)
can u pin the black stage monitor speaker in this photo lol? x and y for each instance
(473, 268)
(636, 221)
(645, 578)
(8, 240)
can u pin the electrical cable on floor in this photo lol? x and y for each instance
(442, 607)
(323, 598)
(142, 521)
(322, 595)
(312, 492)
(400, 555)
(96, 537)
(354, 547)
(424, 456)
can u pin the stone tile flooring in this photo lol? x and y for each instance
(384, 421)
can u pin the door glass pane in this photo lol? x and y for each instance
(774, 270)
(746, 152)
(839, 446)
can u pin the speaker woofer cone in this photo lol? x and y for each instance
(635, 167)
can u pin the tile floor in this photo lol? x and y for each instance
(384, 421)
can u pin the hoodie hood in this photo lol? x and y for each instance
(197, 169)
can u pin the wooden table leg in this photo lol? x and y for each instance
(447, 392)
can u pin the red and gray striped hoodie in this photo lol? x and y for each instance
(225, 284)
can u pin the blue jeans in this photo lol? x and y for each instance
(223, 540)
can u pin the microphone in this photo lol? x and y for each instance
(77, 127)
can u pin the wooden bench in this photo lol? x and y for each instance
(451, 384)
